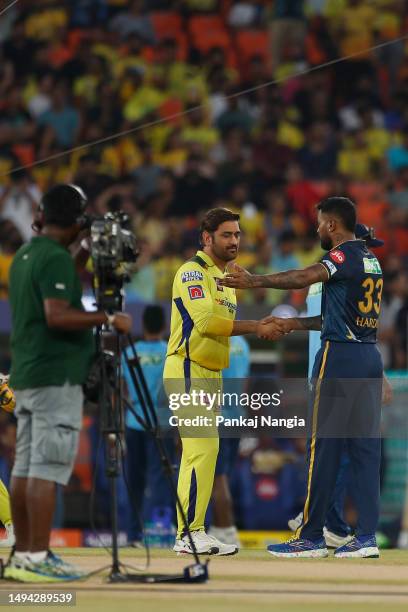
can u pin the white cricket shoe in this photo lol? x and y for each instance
(335, 541)
(226, 535)
(296, 522)
(205, 545)
(10, 538)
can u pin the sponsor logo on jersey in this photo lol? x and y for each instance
(196, 292)
(332, 267)
(60, 286)
(372, 265)
(191, 275)
(337, 256)
(224, 302)
(217, 282)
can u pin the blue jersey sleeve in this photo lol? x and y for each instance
(336, 264)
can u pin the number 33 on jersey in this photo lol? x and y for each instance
(351, 301)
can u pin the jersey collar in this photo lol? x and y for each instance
(206, 258)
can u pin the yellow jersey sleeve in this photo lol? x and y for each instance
(193, 287)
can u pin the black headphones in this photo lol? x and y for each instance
(62, 199)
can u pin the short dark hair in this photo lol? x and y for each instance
(213, 219)
(154, 319)
(343, 208)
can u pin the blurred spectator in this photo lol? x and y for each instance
(197, 128)
(270, 157)
(284, 258)
(354, 156)
(147, 173)
(41, 100)
(10, 241)
(318, 156)
(18, 201)
(397, 155)
(194, 190)
(287, 28)
(244, 14)
(134, 20)
(88, 13)
(61, 120)
(20, 48)
(235, 114)
(401, 325)
(90, 179)
(399, 196)
(395, 293)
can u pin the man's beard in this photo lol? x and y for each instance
(326, 244)
(225, 254)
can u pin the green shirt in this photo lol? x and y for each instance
(42, 356)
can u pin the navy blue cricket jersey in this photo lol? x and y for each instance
(351, 298)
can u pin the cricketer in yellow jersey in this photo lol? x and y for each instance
(202, 321)
(7, 402)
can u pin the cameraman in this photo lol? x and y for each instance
(52, 348)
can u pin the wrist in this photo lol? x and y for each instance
(256, 280)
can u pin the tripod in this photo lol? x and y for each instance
(111, 401)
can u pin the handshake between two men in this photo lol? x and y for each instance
(269, 328)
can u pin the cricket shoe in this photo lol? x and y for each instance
(15, 569)
(10, 539)
(66, 567)
(362, 547)
(226, 535)
(335, 541)
(299, 548)
(205, 544)
(50, 569)
(296, 522)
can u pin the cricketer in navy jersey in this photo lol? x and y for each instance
(352, 289)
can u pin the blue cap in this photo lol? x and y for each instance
(368, 235)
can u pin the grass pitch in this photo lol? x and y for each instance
(250, 579)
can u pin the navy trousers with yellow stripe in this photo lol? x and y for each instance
(346, 409)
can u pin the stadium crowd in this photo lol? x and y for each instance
(177, 98)
(166, 108)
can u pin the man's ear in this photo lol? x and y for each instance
(206, 238)
(332, 225)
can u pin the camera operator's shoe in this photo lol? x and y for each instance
(299, 548)
(205, 545)
(335, 541)
(50, 569)
(362, 547)
(15, 569)
(66, 567)
(10, 539)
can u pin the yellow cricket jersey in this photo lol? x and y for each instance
(202, 314)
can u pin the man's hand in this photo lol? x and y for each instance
(270, 328)
(285, 325)
(237, 277)
(122, 322)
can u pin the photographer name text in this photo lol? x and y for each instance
(250, 422)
